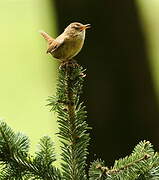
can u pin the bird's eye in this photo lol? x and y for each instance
(76, 27)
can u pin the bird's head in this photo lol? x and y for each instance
(76, 28)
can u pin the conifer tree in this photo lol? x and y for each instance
(17, 164)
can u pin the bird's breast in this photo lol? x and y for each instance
(70, 48)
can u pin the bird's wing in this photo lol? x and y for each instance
(55, 45)
(48, 38)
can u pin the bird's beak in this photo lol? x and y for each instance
(86, 26)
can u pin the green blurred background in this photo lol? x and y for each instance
(27, 74)
(122, 60)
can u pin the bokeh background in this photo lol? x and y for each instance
(121, 54)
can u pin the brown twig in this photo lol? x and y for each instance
(70, 106)
(106, 171)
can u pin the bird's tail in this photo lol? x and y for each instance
(48, 38)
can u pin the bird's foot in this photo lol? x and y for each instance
(69, 63)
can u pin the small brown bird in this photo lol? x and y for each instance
(69, 43)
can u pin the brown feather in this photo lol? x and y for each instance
(48, 38)
(54, 45)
